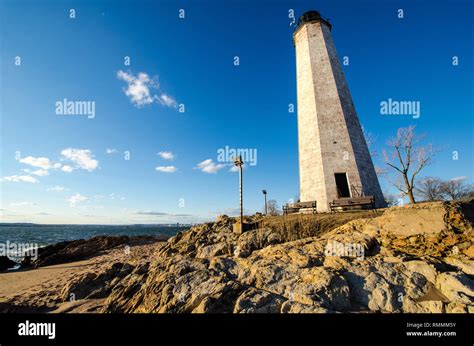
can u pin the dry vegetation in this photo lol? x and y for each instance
(298, 226)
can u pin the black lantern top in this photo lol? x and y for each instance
(311, 17)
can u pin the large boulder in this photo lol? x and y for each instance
(258, 301)
(458, 287)
(92, 285)
(422, 218)
(76, 250)
(6, 263)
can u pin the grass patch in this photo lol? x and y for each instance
(298, 226)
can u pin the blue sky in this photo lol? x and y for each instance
(56, 169)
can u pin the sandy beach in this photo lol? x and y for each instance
(41, 289)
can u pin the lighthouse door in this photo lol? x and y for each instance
(342, 185)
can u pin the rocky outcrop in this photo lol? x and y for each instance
(6, 263)
(77, 287)
(93, 285)
(75, 250)
(364, 262)
(218, 239)
(354, 262)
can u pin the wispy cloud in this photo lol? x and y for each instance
(111, 151)
(231, 212)
(21, 204)
(138, 88)
(40, 162)
(153, 213)
(43, 163)
(158, 213)
(163, 217)
(82, 158)
(167, 155)
(77, 159)
(234, 168)
(40, 172)
(143, 90)
(76, 199)
(67, 169)
(114, 195)
(166, 169)
(167, 100)
(461, 178)
(20, 178)
(58, 188)
(208, 166)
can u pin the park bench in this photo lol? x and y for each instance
(296, 207)
(341, 204)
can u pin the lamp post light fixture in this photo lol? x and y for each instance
(265, 194)
(239, 163)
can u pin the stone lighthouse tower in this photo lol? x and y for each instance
(334, 161)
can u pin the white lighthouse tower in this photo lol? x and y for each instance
(334, 161)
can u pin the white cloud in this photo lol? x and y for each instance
(234, 168)
(208, 166)
(40, 162)
(21, 204)
(461, 178)
(83, 159)
(140, 90)
(111, 151)
(167, 155)
(166, 169)
(114, 195)
(67, 169)
(40, 172)
(167, 100)
(58, 188)
(75, 199)
(20, 178)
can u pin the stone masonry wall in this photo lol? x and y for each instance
(329, 133)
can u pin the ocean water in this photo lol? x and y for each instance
(22, 236)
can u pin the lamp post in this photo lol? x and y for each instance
(265, 194)
(239, 163)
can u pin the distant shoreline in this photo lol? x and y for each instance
(15, 238)
(13, 224)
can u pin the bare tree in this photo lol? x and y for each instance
(429, 189)
(391, 200)
(273, 208)
(456, 188)
(408, 158)
(370, 139)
